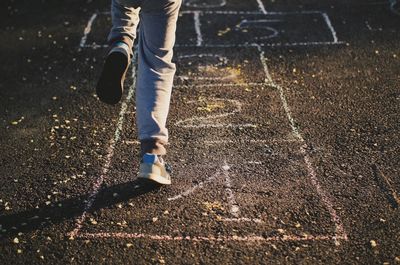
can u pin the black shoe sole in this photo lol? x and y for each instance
(110, 85)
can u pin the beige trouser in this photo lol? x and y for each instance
(156, 71)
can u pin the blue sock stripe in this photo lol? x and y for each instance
(149, 158)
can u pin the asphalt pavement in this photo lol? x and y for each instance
(284, 138)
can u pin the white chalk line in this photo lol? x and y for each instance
(197, 27)
(370, 28)
(242, 220)
(189, 3)
(222, 59)
(393, 4)
(261, 7)
(110, 154)
(214, 142)
(95, 46)
(339, 229)
(87, 30)
(244, 45)
(224, 78)
(222, 85)
(259, 21)
(388, 185)
(234, 208)
(288, 112)
(329, 24)
(221, 125)
(195, 187)
(247, 239)
(248, 45)
(238, 12)
(232, 12)
(133, 142)
(254, 162)
(340, 232)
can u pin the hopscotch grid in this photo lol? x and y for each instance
(340, 233)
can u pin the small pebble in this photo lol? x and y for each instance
(373, 243)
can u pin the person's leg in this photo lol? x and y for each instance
(123, 33)
(125, 19)
(156, 72)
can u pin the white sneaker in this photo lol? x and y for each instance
(152, 167)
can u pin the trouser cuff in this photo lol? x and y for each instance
(125, 39)
(152, 146)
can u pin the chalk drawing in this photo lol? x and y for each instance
(220, 61)
(195, 187)
(201, 4)
(211, 121)
(370, 28)
(260, 24)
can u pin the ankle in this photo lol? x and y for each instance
(152, 146)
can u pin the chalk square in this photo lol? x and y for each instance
(276, 201)
(274, 28)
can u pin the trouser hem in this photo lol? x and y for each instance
(152, 146)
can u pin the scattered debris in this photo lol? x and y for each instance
(373, 243)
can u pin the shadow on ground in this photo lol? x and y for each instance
(46, 215)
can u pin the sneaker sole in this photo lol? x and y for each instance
(156, 178)
(110, 86)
